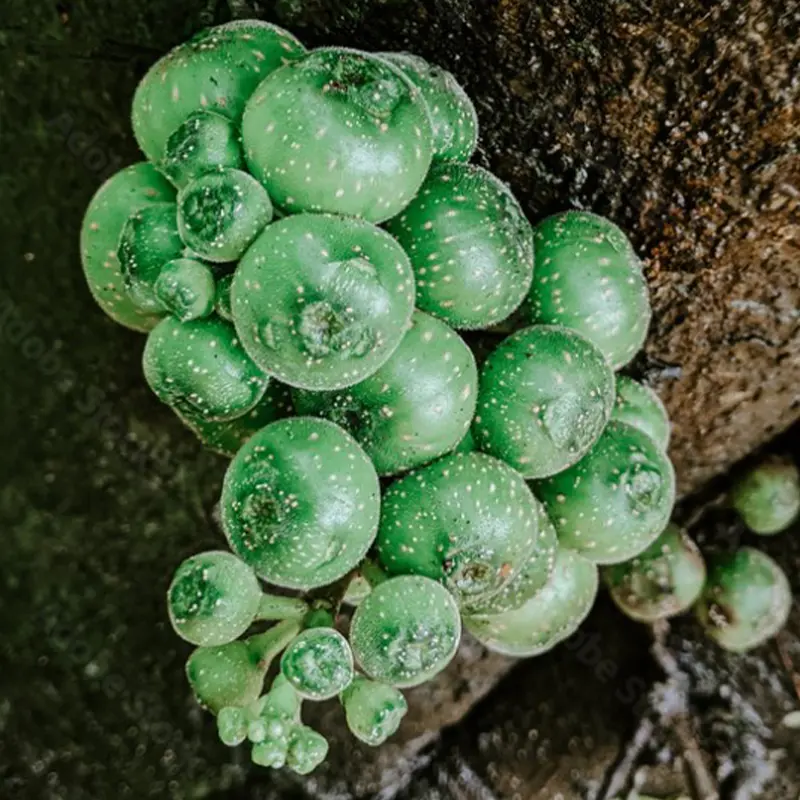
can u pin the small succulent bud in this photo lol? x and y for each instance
(373, 710)
(221, 213)
(270, 753)
(318, 663)
(405, 631)
(149, 239)
(204, 142)
(232, 725)
(660, 582)
(768, 496)
(213, 598)
(307, 750)
(746, 600)
(185, 288)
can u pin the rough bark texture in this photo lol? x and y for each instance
(674, 119)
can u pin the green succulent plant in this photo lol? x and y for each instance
(319, 351)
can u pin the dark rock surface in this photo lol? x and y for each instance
(674, 119)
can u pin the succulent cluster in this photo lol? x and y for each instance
(743, 597)
(747, 597)
(373, 463)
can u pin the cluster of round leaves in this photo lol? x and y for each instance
(747, 597)
(743, 597)
(290, 331)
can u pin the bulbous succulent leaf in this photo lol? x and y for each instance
(545, 395)
(638, 405)
(405, 631)
(746, 600)
(455, 123)
(300, 502)
(213, 598)
(339, 131)
(185, 288)
(318, 663)
(468, 521)
(589, 279)
(149, 240)
(470, 245)
(204, 142)
(217, 70)
(221, 213)
(662, 581)
(530, 579)
(768, 496)
(322, 302)
(200, 369)
(546, 618)
(121, 196)
(616, 500)
(415, 408)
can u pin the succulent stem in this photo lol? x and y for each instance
(265, 646)
(277, 607)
